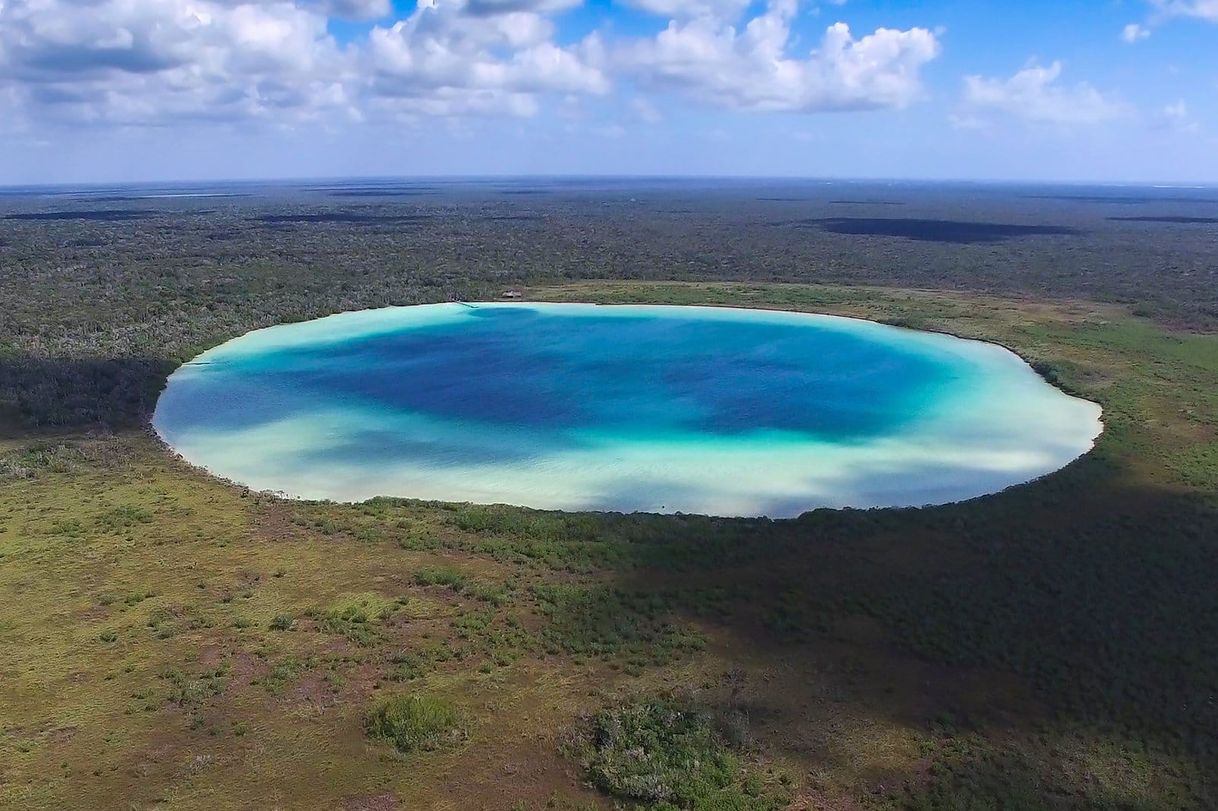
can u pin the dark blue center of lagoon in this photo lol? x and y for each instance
(518, 367)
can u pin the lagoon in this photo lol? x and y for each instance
(720, 411)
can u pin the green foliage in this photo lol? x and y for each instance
(282, 622)
(497, 594)
(123, 517)
(440, 576)
(282, 674)
(414, 664)
(416, 722)
(558, 541)
(535, 525)
(604, 621)
(355, 617)
(190, 690)
(40, 458)
(668, 755)
(70, 528)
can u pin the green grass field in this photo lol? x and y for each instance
(173, 641)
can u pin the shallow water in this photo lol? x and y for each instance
(656, 408)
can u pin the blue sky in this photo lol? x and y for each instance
(100, 90)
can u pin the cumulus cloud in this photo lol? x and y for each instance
(140, 61)
(1035, 94)
(444, 60)
(749, 68)
(156, 62)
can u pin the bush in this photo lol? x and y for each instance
(669, 754)
(124, 516)
(355, 617)
(440, 576)
(416, 722)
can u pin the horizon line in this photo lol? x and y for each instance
(642, 177)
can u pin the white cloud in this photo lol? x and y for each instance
(145, 61)
(157, 62)
(1034, 94)
(444, 60)
(133, 62)
(1134, 33)
(1164, 10)
(749, 69)
(1203, 9)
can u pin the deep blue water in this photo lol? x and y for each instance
(517, 367)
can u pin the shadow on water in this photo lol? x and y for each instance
(113, 393)
(952, 231)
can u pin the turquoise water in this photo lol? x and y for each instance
(656, 408)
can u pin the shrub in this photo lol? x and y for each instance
(124, 516)
(668, 754)
(283, 674)
(416, 722)
(440, 576)
(28, 462)
(355, 617)
(493, 593)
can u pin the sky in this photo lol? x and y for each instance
(1039, 90)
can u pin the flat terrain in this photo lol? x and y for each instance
(173, 641)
